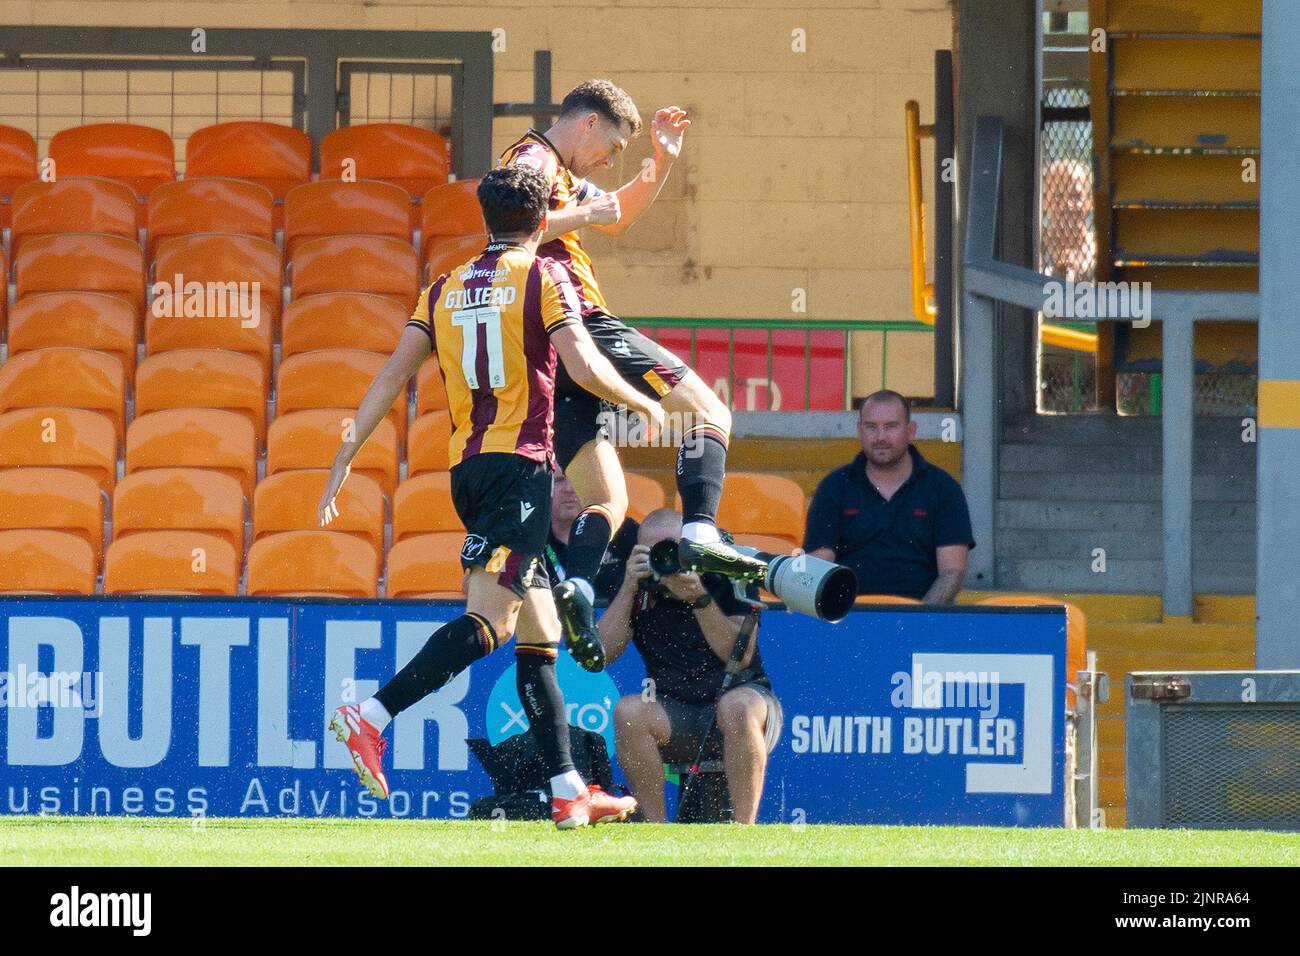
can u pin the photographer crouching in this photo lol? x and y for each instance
(685, 627)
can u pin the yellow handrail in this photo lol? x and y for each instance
(923, 306)
(923, 303)
(1067, 338)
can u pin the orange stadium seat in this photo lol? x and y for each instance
(269, 154)
(339, 320)
(222, 258)
(412, 158)
(4, 277)
(1076, 635)
(289, 502)
(313, 564)
(203, 378)
(644, 495)
(59, 437)
(378, 264)
(18, 155)
(74, 204)
(336, 208)
(45, 562)
(423, 505)
(885, 599)
(82, 262)
(57, 499)
(764, 504)
(180, 499)
(140, 156)
(92, 320)
(426, 449)
(71, 377)
(171, 562)
(333, 378)
(427, 566)
(224, 261)
(311, 439)
(765, 542)
(209, 438)
(450, 253)
(430, 393)
(210, 205)
(449, 211)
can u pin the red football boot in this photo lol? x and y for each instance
(366, 745)
(593, 807)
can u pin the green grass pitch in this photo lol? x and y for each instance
(116, 841)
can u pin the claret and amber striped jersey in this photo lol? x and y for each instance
(490, 322)
(535, 150)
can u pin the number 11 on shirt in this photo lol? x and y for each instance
(468, 321)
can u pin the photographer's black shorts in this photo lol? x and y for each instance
(640, 361)
(688, 723)
(504, 501)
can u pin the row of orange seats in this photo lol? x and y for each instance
(182, 530)
(370, 207)
(102, 322)
(107, 323)
(330, 381)
(272, 155)
(166, 519)
(232, 265)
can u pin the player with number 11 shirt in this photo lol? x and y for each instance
(495, 324)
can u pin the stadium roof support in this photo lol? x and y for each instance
(998, 75)
(1277, 576)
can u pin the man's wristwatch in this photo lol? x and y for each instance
(701, 602)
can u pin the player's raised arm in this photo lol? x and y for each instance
(667, 131)
(412, 349)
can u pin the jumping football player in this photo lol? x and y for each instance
(595, 123)
(496, 324)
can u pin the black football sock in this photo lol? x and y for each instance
(701, 466)
(449, 650)
(588, 539)
(539, 692)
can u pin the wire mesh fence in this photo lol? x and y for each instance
(1067, 245)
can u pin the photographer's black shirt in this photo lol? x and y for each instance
(677, 657)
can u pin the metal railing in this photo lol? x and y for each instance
(988, 282)
(651, 325)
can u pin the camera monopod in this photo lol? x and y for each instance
(738, 651)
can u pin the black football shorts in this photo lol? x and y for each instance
(504, 501)
(641, 362)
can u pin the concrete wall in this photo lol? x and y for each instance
(794, 171)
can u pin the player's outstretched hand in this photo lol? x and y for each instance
(328, 510)
(667, 130)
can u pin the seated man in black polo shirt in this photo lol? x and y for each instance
(685, 627)
(565, 508)
(898, 521)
